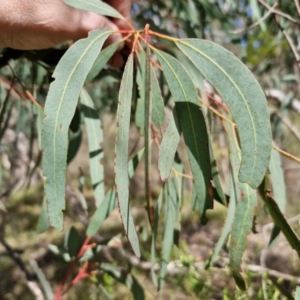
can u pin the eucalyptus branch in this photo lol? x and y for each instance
(177, 267)
(278, 12)
(269, 12)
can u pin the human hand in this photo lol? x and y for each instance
(41, 24)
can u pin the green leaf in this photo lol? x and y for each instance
(95, 138)
(72, 241)
(180, 183)
(42, 279)
(158, 111)
(278, 187)
(60, 106)
(125, 278)
(196, 139)
(95, 6)
(102, 60)
(171, 199)
(241, 228)
(154, 236)
(168, 147)
(227, 225)
(43, 222)
(82, 199)
(279, 218)
(246, 198)
(277, 179)
(193, 127)
(297, 294)
(245, 99)
(102, 212)
(195, 74)
(147, 131)
(121, 157)
(109, 203)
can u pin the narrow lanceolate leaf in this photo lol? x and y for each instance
(278, 187)
(171, 199)
(180, 183)
(246, 198)
(121, 156)
(102, 212)
(110, 200)
(279, 218)
(95, 138)
(95, 6)
(158, 111)
(192, 125)
(196, 139)
(277, 180)
(228, 223)
(168, 147)
(154, 236)
(241, 228)
(60, 106)
(147, 130)
(102, 60)
(245, 99)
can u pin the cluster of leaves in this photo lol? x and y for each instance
(249, 134)
(163, 116)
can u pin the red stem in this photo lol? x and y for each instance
(59, 291)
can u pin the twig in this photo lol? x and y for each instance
(60, 290)
(15, 256)
(278, 12)
(257, 22)
(285, 33)
(176, 267)
(292, 45)
(290, 126)
(279, 95)
(271, 272)
(297, 6)
(295, 158)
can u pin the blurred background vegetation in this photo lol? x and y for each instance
(265, 36)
